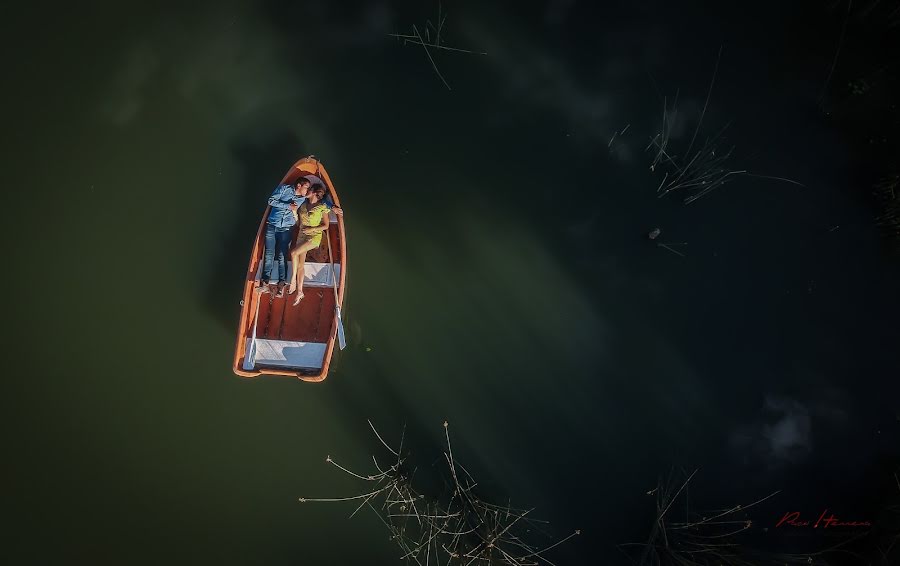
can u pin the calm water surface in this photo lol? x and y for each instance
(499, 273)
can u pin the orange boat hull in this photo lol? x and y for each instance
(286, 340)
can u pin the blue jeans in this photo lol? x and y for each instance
(278, 241)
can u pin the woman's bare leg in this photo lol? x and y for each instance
(298, 259)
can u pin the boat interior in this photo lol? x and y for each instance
(295, 338)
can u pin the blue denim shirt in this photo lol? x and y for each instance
(281, 216)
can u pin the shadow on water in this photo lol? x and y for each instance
(261, 165)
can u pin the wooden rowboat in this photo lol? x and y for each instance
(276, 338)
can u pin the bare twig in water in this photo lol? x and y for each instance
(426, 42)
(774, 178)
(433, 64)
(662, 182)
(661, 515)
(723, 537)
(414, 39)
(383, 443)
(887, 194)
(667, 246)
(705, 104)
(667, 126)
(458, 526)
(617, 134)
(837, 52)
(696, 173)
(709, 538)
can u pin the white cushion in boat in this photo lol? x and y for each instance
(314, 274)
(318, 274)
(287, 354)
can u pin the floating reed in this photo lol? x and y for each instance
(695, 174)
(457, 528)
(417, 38)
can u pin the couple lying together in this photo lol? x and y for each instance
(304, 203)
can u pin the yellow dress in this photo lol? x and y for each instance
(313, 218)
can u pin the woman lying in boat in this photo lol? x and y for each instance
(285, 202)
(313, 216)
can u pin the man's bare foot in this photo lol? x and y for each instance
(298, 299)
(281, 286)
(263, 287)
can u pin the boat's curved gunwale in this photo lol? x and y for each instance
(250, 300)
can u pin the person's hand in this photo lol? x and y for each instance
(293, 206)
(308, 231)
(338, 211)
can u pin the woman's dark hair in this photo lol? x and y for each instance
(318, 189)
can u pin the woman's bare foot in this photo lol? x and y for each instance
(298, 299)
(291, 288)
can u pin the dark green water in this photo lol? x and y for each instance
(499, 274)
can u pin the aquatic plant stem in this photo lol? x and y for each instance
(425, 47)
(705, 104)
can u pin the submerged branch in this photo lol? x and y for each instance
(415, 40)
(427, 52)
(459, 524)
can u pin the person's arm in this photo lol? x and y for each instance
(296, 201)
(330, 203)
(281, 200)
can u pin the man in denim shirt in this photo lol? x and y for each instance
(285, 201)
